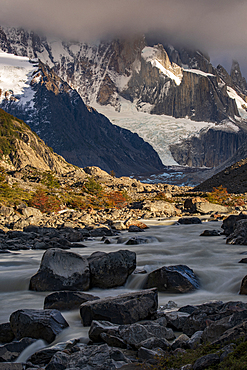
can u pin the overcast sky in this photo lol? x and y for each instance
(216, 26)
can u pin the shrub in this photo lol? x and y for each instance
(44, 202)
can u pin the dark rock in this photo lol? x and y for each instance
(232, 334)
(11, 366)
(176, 320)
(38, 324)
(239, 235)
(11, 351)
(113, 341)
(227, 350)
(151, 355)
(153, 342)
(181, 342)
(135, 229)
(137, 333)
(58, 362)
(206, 361)
(211, 314)
(100, 357)
(195, 340)
(123, 309)
(211, 233)
(101, 231)
(111, 269)
(230, 222)
(67, 300)
(243, 288)
(189, 220)
(141, 240)
(173, 279)
(44, 355)
(6, 333)
(99, 327)
(243, 260)
(187, 309)
(61, 270)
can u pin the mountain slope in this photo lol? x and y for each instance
(80, 134)
(20, 147)
(150, 78)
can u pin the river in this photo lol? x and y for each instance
(212, 260)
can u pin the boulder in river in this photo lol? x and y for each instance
(207, 208)
(108, 270)
(67, 300)
(173, 279)
(239, 235)
(230, 223)
(38, 324)
(61, 270)
(189, 220)
(123, 309)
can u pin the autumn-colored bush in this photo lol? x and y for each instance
(220, 195)
(44, 202)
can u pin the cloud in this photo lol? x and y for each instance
(217, 26)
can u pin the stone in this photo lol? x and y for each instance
(152, 356)
(243, 288)
(181, 342)
(135, 229)
(233, 334)
(160, 206)
(176, 319)
(61, 270)
(38, 324)
(206, 361)
(239, 235)
(6, 333)
(154, 342)
(205, 208)
(211, 233)
(189, 220)
(100, 327)
(196, 339)
(108, 270)
(123, 309)
(44, 355)
(113, 341)
(11, 351)
(230, 222)
(173, 279)
(135, 240)
(67, 300)
(11, 366)
(31, 211)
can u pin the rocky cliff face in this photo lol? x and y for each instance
(80, 134)
(153, 78)
(157, 79)
(211, 147)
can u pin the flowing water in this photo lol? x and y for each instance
(212, 260)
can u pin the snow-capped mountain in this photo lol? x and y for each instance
(164, 94)
(31, 91)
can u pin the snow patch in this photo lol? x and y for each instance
(15, 77)
(198, 72)
(241, 104)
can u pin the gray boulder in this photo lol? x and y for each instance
(173, 279)
(67, 300)
(98, 328)
(123, 309)
(38, 324)
(204, 208)
(108, 270)
(189, 220)
(206, 361)
(61, 270)
(243, 288)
